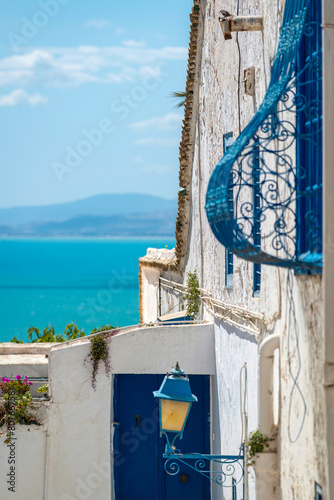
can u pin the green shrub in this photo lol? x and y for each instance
(17, 403)
(71, 332)
(192, 295)
(256, 444)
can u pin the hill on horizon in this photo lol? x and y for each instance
(128, 225)
(105, 205)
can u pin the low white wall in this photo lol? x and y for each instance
(29, 365)
(79, 427)
(68, 458)
(22, 463)
(156, 349)
(31, 360)
(79, 424)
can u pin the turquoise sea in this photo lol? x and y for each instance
(90, 281)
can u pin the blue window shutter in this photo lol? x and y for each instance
(309, 153)
(227, 142)
(257, 216)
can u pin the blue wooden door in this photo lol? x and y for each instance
(138, 466)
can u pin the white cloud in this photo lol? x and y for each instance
(160, 36)
(138, 159)
(157, 141)
(155, 168)
(152, 167)
(98, 23)
(171, 121)
(19, 96)
(133, 43)
(75, 66)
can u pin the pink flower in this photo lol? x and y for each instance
(18, 377)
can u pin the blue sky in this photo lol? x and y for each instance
(84, 89)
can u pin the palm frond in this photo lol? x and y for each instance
(179, 95)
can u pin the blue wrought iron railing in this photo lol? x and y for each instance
(225, 470)
(275, 165)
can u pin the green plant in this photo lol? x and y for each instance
(44, 389)
(71, 332)
(17, 341)
(103, 329)
(192, 295)
(47, 336)
(255, 444)
(181, 96)
(100, 351)
(17, 403)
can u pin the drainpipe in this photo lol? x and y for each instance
(230, 23)
(266, 463)
(328, 230)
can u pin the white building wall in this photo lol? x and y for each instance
(234, 350)
(292, 305)
(69, 456)
(302, 430)
(76, 455)
(150, 291)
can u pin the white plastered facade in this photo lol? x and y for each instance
(292, 306)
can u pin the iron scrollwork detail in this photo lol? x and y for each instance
(264, 167)
(226, 471)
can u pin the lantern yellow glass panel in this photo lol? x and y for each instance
(173, 414)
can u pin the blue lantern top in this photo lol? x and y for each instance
(176, 387)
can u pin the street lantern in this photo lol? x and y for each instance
(175, 400)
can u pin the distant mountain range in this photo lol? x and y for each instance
(103, 204)
(101, 215)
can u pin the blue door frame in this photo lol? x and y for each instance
(138, 463)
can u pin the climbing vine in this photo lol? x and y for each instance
(100, 351)
(192, 295)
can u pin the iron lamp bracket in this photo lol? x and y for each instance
(225, 470)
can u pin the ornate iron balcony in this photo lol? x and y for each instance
(274, 168)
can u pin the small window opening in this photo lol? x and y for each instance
(318, 492)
